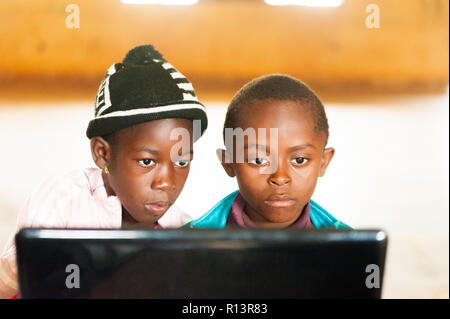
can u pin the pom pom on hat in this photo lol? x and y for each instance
(143, 54)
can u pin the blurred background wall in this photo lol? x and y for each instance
(220, 45)
(385, 90)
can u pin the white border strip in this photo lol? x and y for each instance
(87, 234)
(186, 86)
(167, 66)
(107, 99)
(177, 75)
(156, 109)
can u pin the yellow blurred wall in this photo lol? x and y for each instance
(231, 40)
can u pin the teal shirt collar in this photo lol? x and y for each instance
(217, 216)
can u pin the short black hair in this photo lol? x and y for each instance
(279, 87)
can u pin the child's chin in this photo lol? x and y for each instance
(279, 217)
(148, 218)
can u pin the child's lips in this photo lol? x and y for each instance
(157, 208)
(280, 201)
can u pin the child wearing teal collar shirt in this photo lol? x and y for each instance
(275, 135)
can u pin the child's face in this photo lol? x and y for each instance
(147, 169)
(276, 198)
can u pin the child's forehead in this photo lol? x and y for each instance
(155, 132)
(156, 127)
(286, 136)
(290, 122)
(283, 115)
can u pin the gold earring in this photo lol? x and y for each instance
(106, 170)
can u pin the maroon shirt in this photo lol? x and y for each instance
(238, 217)
(157, 226)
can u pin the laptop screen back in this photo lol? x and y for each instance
(200, 263)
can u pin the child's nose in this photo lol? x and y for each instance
(164, 178)
(280, 177)
(280, 180)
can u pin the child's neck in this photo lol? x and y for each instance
(127, 219)
(262, 222)
(129, 222)
(109, 190)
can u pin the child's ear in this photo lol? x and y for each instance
(101, 151)
(223, 157)
(327, 155)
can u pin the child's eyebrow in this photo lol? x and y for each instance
(300, 147)
(258, 146)
(291, 149)
(187, 152)
(145, 149)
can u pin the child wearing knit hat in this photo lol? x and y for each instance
(142, 108)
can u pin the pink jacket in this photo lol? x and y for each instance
(75, 200)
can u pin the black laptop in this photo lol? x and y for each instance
(234, 264)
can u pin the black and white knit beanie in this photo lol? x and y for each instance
(144, 87)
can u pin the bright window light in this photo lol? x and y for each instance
(307, 3)
(162, 2)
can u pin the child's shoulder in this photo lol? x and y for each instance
(76, 199)
(321, 218)
(175, 217)
(217, 216)
(69, 181)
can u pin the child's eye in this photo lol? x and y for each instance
(145, 163)
(299, 160)
(182, 163)
(258, 161)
